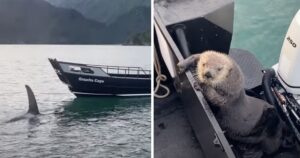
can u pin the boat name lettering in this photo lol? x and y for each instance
(292, 42)
(90, 80)
(98, 81)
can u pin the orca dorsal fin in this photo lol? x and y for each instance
(33, 108)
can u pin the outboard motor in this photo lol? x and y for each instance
(289, 62)
(282, 83)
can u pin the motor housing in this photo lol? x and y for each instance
(288, 71)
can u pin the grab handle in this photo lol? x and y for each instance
(181, 38)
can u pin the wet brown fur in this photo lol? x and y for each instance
(239, 115)
(226, 82)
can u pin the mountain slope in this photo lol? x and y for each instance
(38, 22)
(138, 20)
(140, 39)
(126, 18)
(105, 11)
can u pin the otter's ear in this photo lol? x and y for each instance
(186, 63)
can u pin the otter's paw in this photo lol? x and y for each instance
(181, 67)
(197, 86)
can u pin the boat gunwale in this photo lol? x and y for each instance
(132, 68)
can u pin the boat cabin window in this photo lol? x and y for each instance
(81, 69)
(75, 68)
(87, 70)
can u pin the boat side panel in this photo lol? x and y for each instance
(108, 85)
(202, 120)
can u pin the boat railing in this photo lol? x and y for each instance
(119, 70)
(123, 70)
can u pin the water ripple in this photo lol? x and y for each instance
(68, 127)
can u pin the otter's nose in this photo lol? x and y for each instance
(208, 74)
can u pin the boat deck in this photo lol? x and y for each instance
(173, 136)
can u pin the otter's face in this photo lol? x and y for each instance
(212, 70)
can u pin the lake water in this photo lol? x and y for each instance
(260, 27)
(70, 126)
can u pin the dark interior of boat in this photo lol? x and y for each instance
(198, 33)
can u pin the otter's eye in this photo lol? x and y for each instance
(220, 68)
(203, 64)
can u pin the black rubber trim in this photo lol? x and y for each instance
(267, 84)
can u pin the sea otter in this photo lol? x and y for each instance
(250, 122)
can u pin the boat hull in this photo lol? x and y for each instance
(97, 86)
(93, 80)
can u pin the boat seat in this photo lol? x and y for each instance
(251, 67)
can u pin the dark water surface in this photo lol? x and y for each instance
(69, 126)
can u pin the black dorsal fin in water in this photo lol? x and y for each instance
(32, 108)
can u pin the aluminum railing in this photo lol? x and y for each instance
(126, 70)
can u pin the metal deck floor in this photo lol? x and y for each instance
(173, 135)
